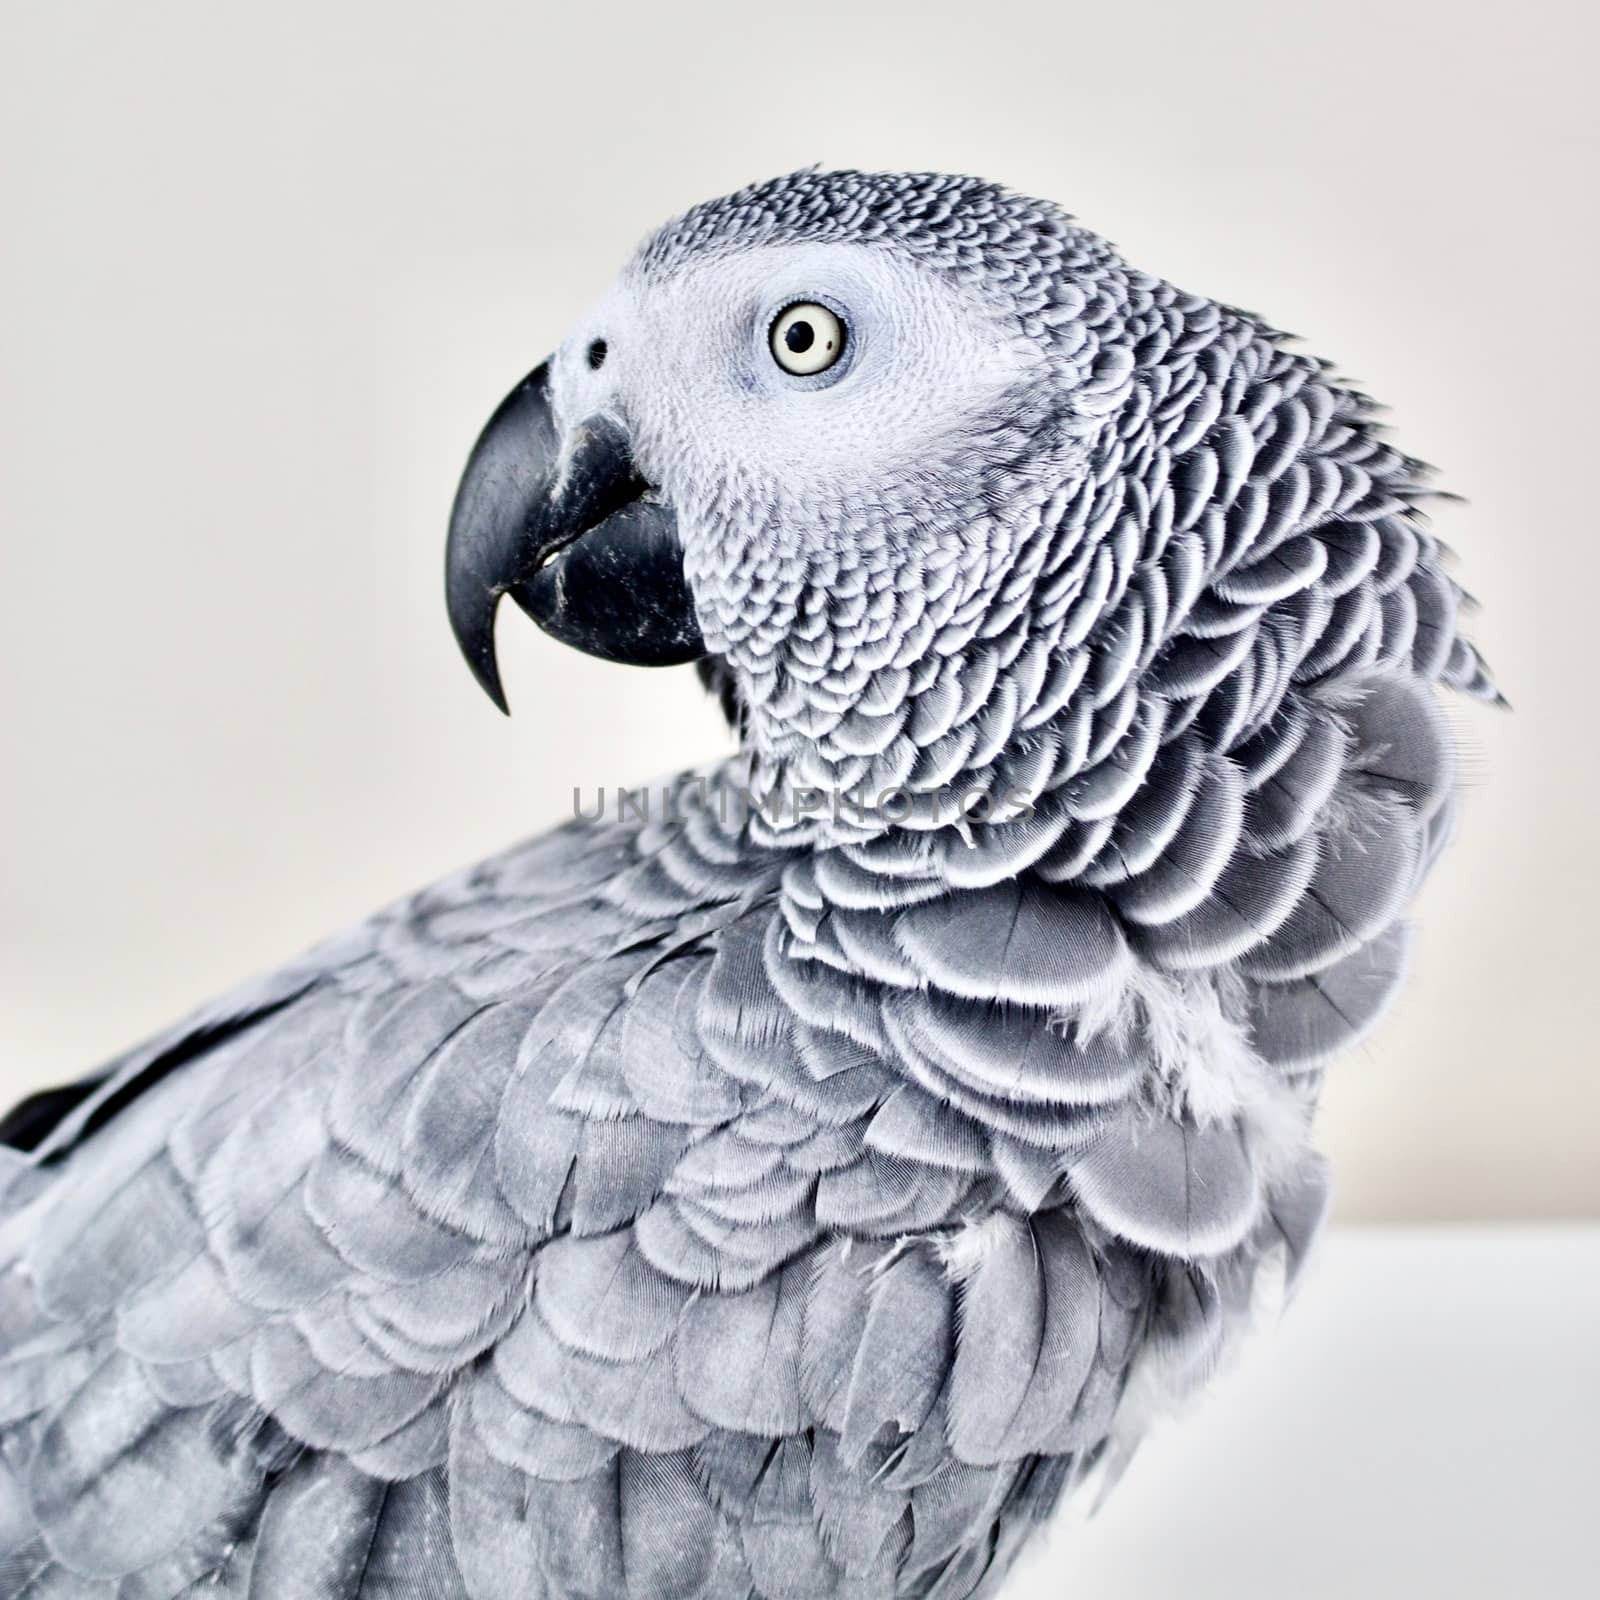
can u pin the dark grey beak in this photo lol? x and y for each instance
(591, 555)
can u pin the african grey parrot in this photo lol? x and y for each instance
(795, 1190)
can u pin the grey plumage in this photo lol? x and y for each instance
(725, 1204)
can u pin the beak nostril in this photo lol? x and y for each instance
(597, 355)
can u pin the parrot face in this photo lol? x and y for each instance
(945, 497)
(917, 378)
(761, 456)
(791, 446)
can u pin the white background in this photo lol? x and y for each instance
(1420, 1426)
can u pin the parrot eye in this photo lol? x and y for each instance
(806, 339)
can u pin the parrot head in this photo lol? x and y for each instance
(935, 486)
(811, 428)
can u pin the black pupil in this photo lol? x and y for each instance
(597, 354)
(799, 337)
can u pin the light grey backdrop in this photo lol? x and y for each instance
(267, 268)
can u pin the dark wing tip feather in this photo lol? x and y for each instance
(31, 1121)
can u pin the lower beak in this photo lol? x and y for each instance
(576, 538)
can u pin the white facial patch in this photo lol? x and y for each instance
(924, 368)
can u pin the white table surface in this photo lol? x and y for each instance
(1423, 1421)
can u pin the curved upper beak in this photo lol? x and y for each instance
(571, 532)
